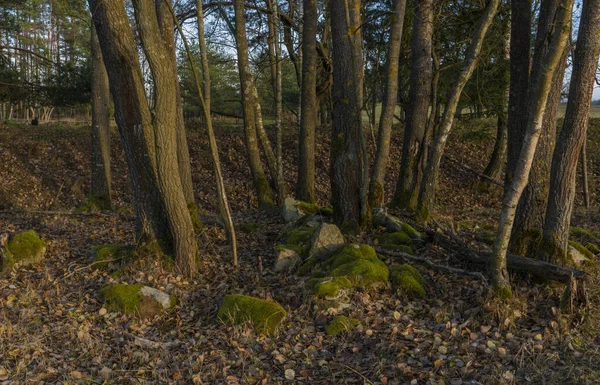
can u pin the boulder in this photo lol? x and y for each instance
(407, 281)
(139, 300)
(287, 258)
(24, 248)
(265, 316)
(293, 210)
(325, 241)
(579, 253)
(341, 324)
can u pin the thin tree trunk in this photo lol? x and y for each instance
(542, 85)
(572, 137)
(349, 158)
(388, 107)
(261, 184)
(265, 143)
(100, 194)
(281, 185)
(428, 185)
(305, 186)
(417, 112)
(584, 174)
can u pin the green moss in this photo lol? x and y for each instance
(300, 235)
(592, 247)
(128, 299)
(250, 227)
(298, 249)
(326, 211)
(365, 273)
(112, 253)
(423, 216)
(584, 234)
(397, 238)
(265, 196)
(265, 316)
(375, 194)
(96, 203)
(195, 215)
(399, 248)
(327, 287)
(410, 231)
(503, 292)
(318, 274)
(341, 324)
(308, 208)
(582, 249)
(408, 281)
(350, 253)
(25, 248)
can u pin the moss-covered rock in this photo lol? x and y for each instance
(592, 247)
(250, 227)
(584, 235)
(105, 255)
(286, 259)
(397, 238)
(308, 208)
(264, 316)
(328, 287)
(363, 272)
(300, 236)
(410, 231)
(579, 253)
(326, 240)
(350, 253)
(407, 281)
(341, 324)
(138, 300)
(24, 248)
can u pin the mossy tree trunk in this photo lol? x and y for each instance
(348, 167)
(541, 88)
(388, 107)
(305, 185)
(555, 238)
(100, 194)
(149, 137)
(428, 184)
(261, 184)
(406, 192)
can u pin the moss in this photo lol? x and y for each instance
(423, 216)
(250, 227)
(408, 281)
(128, 299)
(307, 266)
(365, 273)
(265, 196)
(308, 208)
(397, 238)
(318, 274)
(410, 231)
(96, 203)
(582, 249)
(25, 248)
(265, 316)
(584, 234)
(399, 248)
(327, 287)
(107, 254)
(503, 292)
(592, 247)
(297, 249)
(300, 235)
(195, 215)
(326, 211)
(376, 194)
(350, 253)
(341, 324)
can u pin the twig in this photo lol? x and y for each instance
(433, 265)
(467, 168)
(356, 372)
(87, 267)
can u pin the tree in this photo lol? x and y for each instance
(348, 167)
(305, 185)
(541, 88)
(100, 194)
(417, 111)
(388, 106)
(248, 92)
(149, 137)
(555, 235)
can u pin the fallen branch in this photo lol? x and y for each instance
(66, 213)
(434, 265)
(469, 169)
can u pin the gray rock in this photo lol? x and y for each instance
(578, 257)
(326, 240)
(286, 259)
(290, 210)
(159, 296)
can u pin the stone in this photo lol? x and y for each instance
(579, 255)
(325, 241)
(341, 324)
(140, 300)
(264, 315)
(24, 248)
(293, 210)
(286, 259)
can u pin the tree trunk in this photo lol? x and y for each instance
(584, 174)
(149, 139)
(305, 185)
(555, 238)
(418, 108)
(100, 194)
(541, 89)
(348, 168)
(388, 107)
(428, 185)
(261, 184)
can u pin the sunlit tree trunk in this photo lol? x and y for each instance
(100, 194)
(555, 236)
(388, 107)
(541, 88)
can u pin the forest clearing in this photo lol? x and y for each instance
(300, 192)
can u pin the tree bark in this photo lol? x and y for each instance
(348, 168)
(261, 184)
(305, 185)
(100, 194)
(555, 238)
(406, 192)
(541, 89)
(388, 107)
(428, 185)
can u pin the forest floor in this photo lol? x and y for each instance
(54, 329)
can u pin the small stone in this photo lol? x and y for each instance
(102, 311)
(437, 340)
(76, 375)
(369, 332)
(290, 374)
(443, 350)
(502, 352)
(538, 348)
(460, 364)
